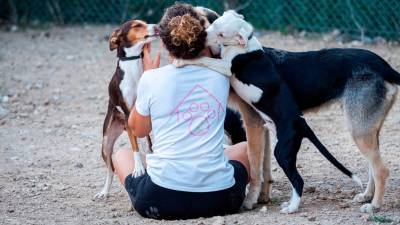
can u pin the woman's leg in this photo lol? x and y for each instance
(238, 152)
(123, 163)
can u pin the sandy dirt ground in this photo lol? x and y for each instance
(53, 92)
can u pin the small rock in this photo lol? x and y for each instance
(70, 57)
(48, 131)
(5, 99)
(3, 112)
(10, 210)
(343, 205)
(219, 221)
(46, 102)
(312, 218)
(28, 86)
(45, 187)
(74, 149)
(309, 190)
(304, 214)
(79, 165)
(74, 126)
(23, 115)
(263, 209)
(38, 85)
(13, 28)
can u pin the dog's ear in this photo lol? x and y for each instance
(240, 16)
(242, 37)
(115, 39)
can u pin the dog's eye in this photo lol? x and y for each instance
(220, 35)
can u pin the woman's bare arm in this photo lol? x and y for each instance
(219, 65)
(140, 125)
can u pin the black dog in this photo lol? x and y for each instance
(277, 105)
(363, 82)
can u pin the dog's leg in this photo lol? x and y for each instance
(114, 126)
(149, 143)
(368, 194)
(369, 147)
(365, 116)
(286, 154)
(218, 65)
(265, 194)
(139, 167)
(255, 142)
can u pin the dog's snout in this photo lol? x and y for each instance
(156, 29)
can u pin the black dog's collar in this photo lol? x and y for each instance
(250, 36)
(131, 57)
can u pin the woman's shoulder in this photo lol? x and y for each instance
(157, 71)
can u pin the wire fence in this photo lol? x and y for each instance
(362, 18)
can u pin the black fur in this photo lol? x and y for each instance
(233, 125)
(317, 77)
(277, 102)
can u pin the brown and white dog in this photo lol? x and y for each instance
(129, 40)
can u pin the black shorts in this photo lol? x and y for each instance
(153, 201)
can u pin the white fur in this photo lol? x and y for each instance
(356, 179)
(132, 69)
(270, 125)
(139, 168)
(106, 188)
(248, 92)
(293, 204)
(252, 94)
(119, 109)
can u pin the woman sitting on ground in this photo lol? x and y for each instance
(189, 174)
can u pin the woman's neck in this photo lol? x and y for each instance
(205, 52)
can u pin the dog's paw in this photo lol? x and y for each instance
(264, 198)
(139, 168)
(101, 195)
(284, 205)
(249, 202)
(139, 171)
(247, 205)
(368, 208)
(362, 197)
(289, 209)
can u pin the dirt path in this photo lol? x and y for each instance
(55, 83)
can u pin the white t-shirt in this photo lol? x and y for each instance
(187, 107)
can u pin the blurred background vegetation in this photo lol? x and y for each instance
(358, 18)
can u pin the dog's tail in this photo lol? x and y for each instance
(393, 76)
(389, 74)
(309, 133)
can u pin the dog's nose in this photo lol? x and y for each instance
(156, 30)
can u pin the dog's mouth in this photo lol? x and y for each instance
(154, 32)
(151, 35)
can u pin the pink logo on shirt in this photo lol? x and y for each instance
(199, 114)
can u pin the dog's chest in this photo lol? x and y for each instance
(128, 85)
(251, 94)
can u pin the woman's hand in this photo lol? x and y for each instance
(148, 62)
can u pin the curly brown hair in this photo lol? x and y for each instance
(182, 31)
